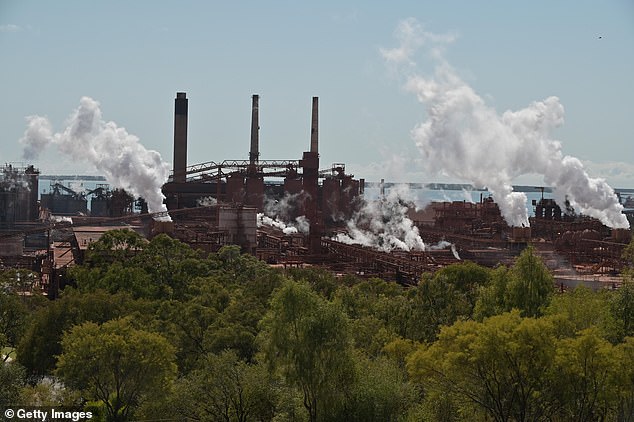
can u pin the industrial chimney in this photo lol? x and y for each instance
(254, 153)
(310, 179)
(314, 128)
(180, 137)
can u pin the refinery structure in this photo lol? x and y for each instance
(295, 212)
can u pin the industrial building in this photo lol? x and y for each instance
(255, 182)
(18, 195)
(19, 215)
(329, 197)
(222, 202)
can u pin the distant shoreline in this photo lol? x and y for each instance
(470, 187)
(387, 185)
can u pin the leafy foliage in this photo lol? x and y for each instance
(41, 343)
(116, 363)
(306, 339)
(581, 309)
(225, 337)
(527, 286)
(224, 388)
(12, 380)
(498, 365)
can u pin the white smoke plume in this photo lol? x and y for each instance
(115, 153)
(384, 225)
(301, 224)
(455, 252)
(61, 219)
(443, 244)
(206, 201)
(279, 213)
(284, 207)
(38, 134)
(465, 138)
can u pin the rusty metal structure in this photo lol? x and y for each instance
(21, 236)
(253, 182)
(216, 203)
(329, 197)
(18, 195)
(64, 201)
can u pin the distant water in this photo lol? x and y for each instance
(425, 196)
(78, 186)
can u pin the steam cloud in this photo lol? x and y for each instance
(443, 244)
(207, 201)
(110, 149)
(384, 224)
(279, 212)
(464, 138)
(301, 224)
(283, 208)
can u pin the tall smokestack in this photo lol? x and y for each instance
(254, 153)
(314, 128)
(180, 137)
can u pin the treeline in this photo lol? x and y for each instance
(157, 331)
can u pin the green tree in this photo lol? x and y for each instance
(582, 308)
(238, 325)
(500, 366)
(114, 246)
(369, 333)
(185, 323)
(13, 319)
(492, 298)
(380, 392)
(465, 278)
(531, 285)
(225, 388)
(399, 349)
(449, 295)
(528, 286)
(622, 307)
(306, 339)
(121, 260)
(361, 299)
(625, 380)
(443, 407)
(171, 265)
(628, 256)
(117, 364)
(41, 341)
(322, 281)
(585, 370)
(230, 267)
(115, 278)
(12, 380)
(380, 312)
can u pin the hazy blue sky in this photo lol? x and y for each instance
(133, 56)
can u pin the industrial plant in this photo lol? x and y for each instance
(296, 212)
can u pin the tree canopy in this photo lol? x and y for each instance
(155, 330)
(116, 363)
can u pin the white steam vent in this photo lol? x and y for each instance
(465, 138)
(115, 153)
(384, 224)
